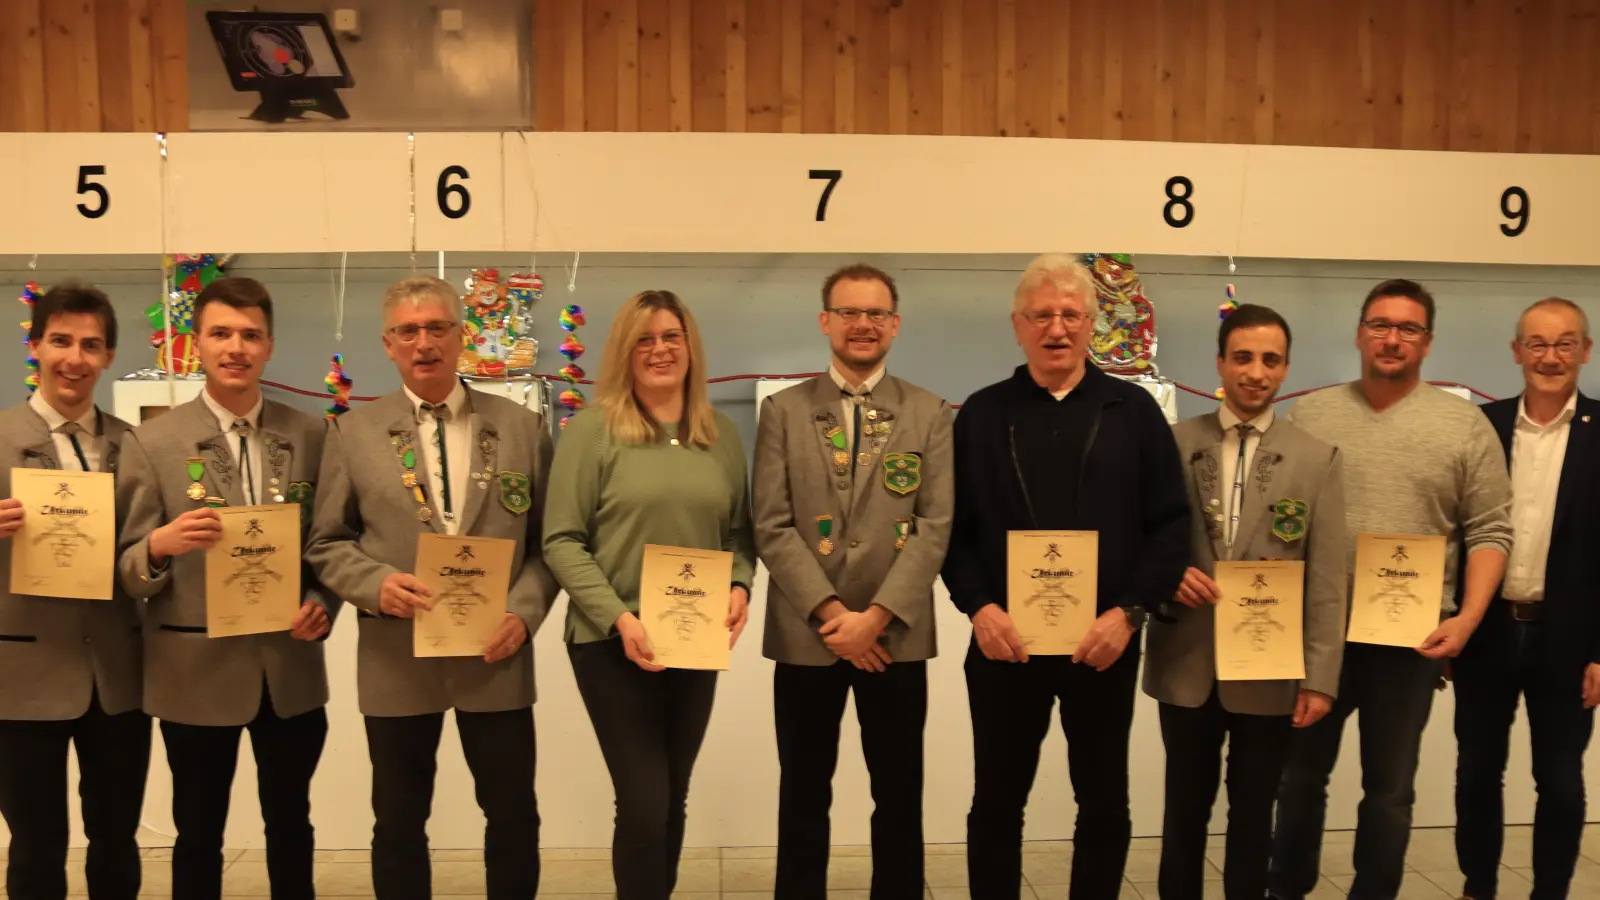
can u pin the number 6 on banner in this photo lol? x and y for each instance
(459, 192)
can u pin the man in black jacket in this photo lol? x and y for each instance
(1541, 636)
(1059, 446)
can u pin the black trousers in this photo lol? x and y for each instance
(1257, 747)
(1011, 705)
(650, 725)
(500, 752)
(203, 759)
(113, 760)
(892, 707)
(1511, 661)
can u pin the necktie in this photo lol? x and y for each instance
(71, 430)
(441, 413)
(1236, 499)
(241, 427)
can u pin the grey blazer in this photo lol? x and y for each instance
(796, 480)
(1289, 464)
(189, 677)
(366, 528)
(54, 652)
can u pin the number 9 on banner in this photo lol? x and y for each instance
(91, 193)
(459, 191)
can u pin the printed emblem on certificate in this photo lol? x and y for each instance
(470, 578)
(1399, 588)
(1052, 588)
(253, 572)
(1260, 624)
(67, 544)
(683, 603)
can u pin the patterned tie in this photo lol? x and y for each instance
(441, 414)
(1236, 499)
(71, 430)
(241, 427)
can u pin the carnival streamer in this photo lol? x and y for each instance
(30, 293)
(338, 384)
(571, 399)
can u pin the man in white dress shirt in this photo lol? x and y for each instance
(1540, 639)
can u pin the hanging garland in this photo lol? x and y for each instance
(571, 399)
(30, 293)
(338, 384)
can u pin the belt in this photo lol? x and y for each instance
(1532, 611)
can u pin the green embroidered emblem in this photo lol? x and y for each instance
(1289, 519)
(902, 472)
(514, 492)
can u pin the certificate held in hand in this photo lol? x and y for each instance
(1052, 588)
(1260, 620)
(67, 544)
(470, 578)
(683, 605)
(253, 571)
(1399, 588)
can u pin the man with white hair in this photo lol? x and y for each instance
(1059, 445)
(436, 457)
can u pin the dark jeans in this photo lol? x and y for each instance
(892, 707)
(203, 759)
(1488, 679)
(650, 725)
(1257, 746)
(113, 759)
(499, 749)
(1392, 688)
(1011, 705)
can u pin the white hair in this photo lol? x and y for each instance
(1067, 275)
(422, 290)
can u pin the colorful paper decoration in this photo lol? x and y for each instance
(1228, 305)
(497, 329)
(1124, 339)
(338, 384)
(30, 293)
(190, 273)
(571, 399)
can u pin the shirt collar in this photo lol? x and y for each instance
(226, 418)
(866, 386)
(456, 402)
(54, 420)
(1565, 416)
(1231, 421)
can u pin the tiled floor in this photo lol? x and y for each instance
(745, 873)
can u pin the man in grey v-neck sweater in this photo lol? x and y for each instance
(1417, 460)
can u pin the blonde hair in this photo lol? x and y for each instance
(1069, 277)
(422, 290)
(625, 419)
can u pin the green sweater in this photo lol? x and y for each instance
(606, 500)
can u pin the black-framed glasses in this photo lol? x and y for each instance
(1410, 332)
(851, 314)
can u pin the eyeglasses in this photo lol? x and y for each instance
(1410, 332)
(851, 315)
(1043, 320)
(1565, 349)
(409, 332)
(672, 340)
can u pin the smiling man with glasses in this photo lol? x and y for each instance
(853, 498)
(1417, 460)
(1540, 640)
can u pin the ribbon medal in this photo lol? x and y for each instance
(902, 531)
(408, 478)
(825, 529)
(197, 471)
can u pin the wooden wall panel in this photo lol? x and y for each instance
(1479, 75)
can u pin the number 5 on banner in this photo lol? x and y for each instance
(90, 193)
(459, 191)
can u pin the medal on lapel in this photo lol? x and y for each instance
(902, 531)
(408, 460)
(197, 471)
(825, 529)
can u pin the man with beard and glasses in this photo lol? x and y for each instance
(1259, 489)
(1059, 445)
(71, 668)
(1541, 637)
(1417, 460)
(853, 496)
(229, 445)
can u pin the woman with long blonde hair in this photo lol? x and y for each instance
(652, 463)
